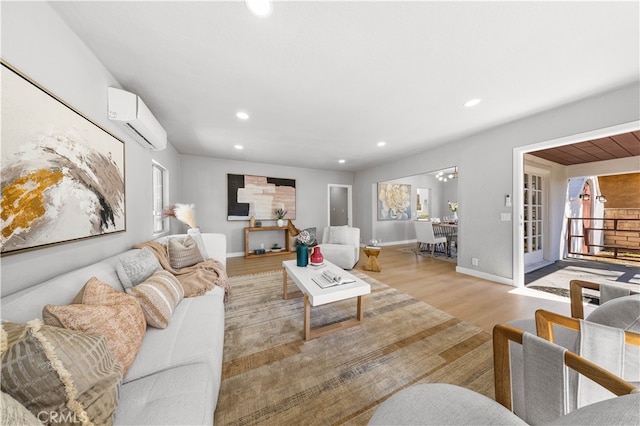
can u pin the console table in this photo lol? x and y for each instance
(287, 241)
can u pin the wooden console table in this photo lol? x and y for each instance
(287, 241)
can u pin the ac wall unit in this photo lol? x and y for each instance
(129, 109)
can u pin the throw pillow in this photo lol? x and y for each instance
(312, 234)
(197, 237)
(339, 235)
(136, 266)
(100, 309)
(158, 296)
(59, 374)
(183, 252)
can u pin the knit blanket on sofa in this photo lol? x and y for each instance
(196, 279)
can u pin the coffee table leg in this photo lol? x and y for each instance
(307, 318)
(284, 283)
(360, 308)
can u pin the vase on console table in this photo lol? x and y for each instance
(280, 223)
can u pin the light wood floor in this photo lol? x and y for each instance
(435, 282)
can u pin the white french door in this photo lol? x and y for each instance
(534, 213)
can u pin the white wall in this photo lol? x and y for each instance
(204, 183)
(39, 44)
(485, 165)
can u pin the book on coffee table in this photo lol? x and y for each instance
(330, 279)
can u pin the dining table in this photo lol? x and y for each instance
(448, 230)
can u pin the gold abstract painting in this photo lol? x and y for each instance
(62, 175)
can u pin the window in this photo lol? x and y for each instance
(160, 182)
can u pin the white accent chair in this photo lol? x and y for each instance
(340, 245)
(425, 235)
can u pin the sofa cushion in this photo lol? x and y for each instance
(100, 309)
(158, 295)
(183, 252)
(183, 395)
(136, 266)
(195, 334)
(54, 371)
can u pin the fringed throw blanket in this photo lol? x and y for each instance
(197, 279)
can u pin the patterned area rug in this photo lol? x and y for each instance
(272, 376)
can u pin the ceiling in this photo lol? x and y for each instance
(324, 81)
(619, 146)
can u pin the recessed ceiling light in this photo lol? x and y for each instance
(342, 161)
(382, 143)
(260, 8)
(242, 115)
(238, 147)
(472, 102)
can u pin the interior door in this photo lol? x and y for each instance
(534, 210)
(339, 205)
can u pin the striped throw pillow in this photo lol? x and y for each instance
(158, 295)
(183, 252)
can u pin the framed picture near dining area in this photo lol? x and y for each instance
(394, 201)
(62, 174)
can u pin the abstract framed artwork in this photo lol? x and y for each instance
(259, 196)
(62, 175)
(394, 201)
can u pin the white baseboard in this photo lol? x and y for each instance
(484, 275)
(237, 254)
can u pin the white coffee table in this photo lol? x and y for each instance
(315, 296)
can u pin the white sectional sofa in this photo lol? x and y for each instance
(175, 378)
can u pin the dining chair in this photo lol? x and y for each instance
(425, 235)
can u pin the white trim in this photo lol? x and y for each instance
(518, 172)
(479, 274)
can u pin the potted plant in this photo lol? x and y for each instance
(276, 248)
(280, 214)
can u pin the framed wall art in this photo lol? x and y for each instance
(394, 201)
(260, 197)
(62, 175)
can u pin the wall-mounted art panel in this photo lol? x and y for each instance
(260, 197)
(394, 201)
(62, 175)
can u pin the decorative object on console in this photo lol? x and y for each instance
(62, 177)
(316, 256)
(394, 201)
(62, 372)
(293, 231)
(247, 195)
(276, 248)
(280, 214)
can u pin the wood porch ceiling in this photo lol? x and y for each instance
(613, 147)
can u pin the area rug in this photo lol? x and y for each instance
(272, 376)
(437, 255)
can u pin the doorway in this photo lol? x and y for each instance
(339, 205)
